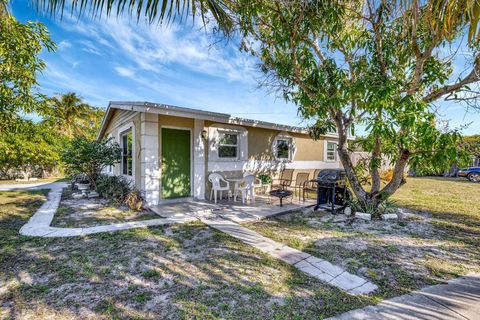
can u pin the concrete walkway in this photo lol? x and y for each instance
(459, 299)
(39, 224)
(318, 268)
(31, 186)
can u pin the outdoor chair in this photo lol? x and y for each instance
(310, 185)
(217, 180)
(246, 188)
(284, 181)
(300, 183)
(257, 183)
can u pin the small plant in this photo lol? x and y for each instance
(386, 206)
(114, 188)
(134, 200)
(265, 178)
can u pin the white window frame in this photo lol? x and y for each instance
(335, 156)
(291, 147)
(132, 155)
(237, 146)
(121, 131)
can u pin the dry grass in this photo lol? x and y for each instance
(75, 213)
(194, 272)
(178, 272)
(441, 243)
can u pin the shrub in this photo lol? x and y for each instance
(90, 157)
(134, 200)
(265, 178)
(119, 190)
(385, 206)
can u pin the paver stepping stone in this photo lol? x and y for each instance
(315, 267)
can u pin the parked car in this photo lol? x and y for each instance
(472, 174)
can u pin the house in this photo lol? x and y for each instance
(169, 151)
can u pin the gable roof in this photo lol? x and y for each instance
(166, 109)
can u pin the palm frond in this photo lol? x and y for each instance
(152, 10)
(446, 15)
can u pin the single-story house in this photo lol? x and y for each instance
(169, 151)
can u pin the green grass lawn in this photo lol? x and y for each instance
(194, 272)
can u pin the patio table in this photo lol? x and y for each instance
(235, 182)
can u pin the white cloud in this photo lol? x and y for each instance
(154, 47)
(64, 45)
(126, 72)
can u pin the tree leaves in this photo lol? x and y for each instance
(20, 46)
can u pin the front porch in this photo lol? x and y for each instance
(263, 207)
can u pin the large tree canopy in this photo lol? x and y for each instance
(344, 63)
(70, 116)
(363, 62)
(20, 46)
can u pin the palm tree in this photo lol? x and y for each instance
(151, 10)
(69, 116)
(446, 14)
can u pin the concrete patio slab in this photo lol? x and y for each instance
(458, 299)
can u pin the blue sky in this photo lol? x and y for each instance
(117, 59)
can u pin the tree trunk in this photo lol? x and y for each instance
(346, 160)
(398, 175)
(374, 165)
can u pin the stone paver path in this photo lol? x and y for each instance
(318, 268)
(459, 299)
(39, 224)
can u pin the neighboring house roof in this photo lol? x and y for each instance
(166, 109)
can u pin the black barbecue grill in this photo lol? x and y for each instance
(332, 190)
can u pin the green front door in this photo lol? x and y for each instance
(175, 163)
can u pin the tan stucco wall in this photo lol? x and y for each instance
(260, 143)
(307, 148)
(175, 121)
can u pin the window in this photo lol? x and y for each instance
(127, 158)
(228, 145)
(331, 151)
(282, 148)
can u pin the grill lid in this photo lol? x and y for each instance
(331, 175)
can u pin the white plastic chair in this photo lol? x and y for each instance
(216, 180)
(246, 188)
(257, 183)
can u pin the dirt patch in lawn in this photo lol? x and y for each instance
(89, 212)
(399, 256)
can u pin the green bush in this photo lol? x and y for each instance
(119, 190)
(90, 157)
(265, 178)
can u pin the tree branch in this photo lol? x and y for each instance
(472, 77)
